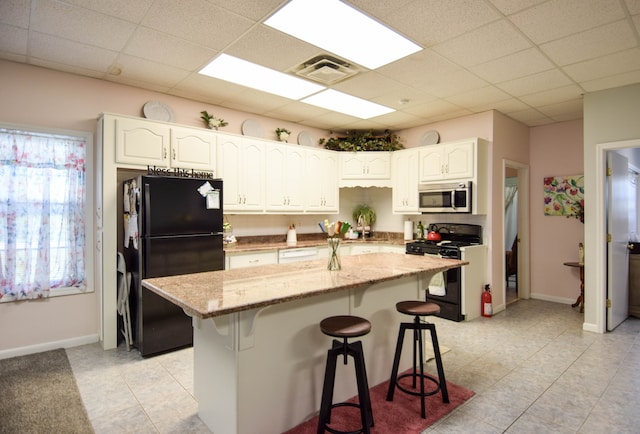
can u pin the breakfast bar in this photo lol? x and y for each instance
(258, 351)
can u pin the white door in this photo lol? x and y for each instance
(618, 230)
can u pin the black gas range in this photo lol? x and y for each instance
(454, 236)
(448, 292)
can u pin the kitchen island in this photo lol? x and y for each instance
(259, 354)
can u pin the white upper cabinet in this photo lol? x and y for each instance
(321, 181)
(285, 166)
(193, 149)
(447, 161)
(242, 172)
(405, 181)
(142, 142)
(365, 169)
(147, 143)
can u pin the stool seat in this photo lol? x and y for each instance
(419, 308)
(345, 326)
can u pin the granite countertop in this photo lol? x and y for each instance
(217, 293)
(276, 242)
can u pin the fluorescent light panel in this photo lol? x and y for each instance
(341, 102)
(341, 29)
(249, 74)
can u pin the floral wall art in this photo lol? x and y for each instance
(564, 196)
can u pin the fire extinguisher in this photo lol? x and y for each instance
(487, 308)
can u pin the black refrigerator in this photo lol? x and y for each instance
(173, 226)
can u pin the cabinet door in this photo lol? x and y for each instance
(252, 259)
(284, 182)
(252, 175)
(431, 162)
(405, 181)
(230, 156)
(353, 165)
(378, 165)
(142, 142)
(321, 181)
(191, 149)
(459, 161)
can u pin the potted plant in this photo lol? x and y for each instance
(283, 134)
(363, 141)
(211, 121)
(365, 217)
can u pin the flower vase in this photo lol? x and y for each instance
(334, 254)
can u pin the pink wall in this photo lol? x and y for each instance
(555, 150)
(45, 98)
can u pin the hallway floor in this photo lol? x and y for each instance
(532, 367)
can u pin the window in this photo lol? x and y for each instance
(44, 223)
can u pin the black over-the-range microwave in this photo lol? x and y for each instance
(452, 197)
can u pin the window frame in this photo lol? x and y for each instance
(89, 215)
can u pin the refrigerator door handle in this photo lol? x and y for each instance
(147, 215)
(167, 237)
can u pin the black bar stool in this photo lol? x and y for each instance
(345, 326)
(418, 309)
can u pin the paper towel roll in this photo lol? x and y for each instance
(408, 230)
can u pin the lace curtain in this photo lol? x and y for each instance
(42, 201)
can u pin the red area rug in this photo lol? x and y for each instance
(400, 416)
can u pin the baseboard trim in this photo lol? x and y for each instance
(545, 297)
(47, 346)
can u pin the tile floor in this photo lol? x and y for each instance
(532, 367)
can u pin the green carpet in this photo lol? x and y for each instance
(39, 394)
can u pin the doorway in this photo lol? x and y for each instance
(515, 225)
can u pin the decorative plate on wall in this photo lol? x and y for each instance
(305, 138)
(430, 138)
(158, 111)
(252, 127)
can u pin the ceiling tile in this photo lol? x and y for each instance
(201, 23)
(509, 7)
(430, 22)
(254, 9)
(481, 45)
(621, 62)
(256, 101)
(553, 96)
(558, 18)
(633, 6)
(134, 68)
(81, 25)
(268, 47)
(370, 85)
(612, 81)
(535, 83)
(433, 108)
(175, 52)
(132, 11)
(479, 97)
(418, 69)
(454, 84)
(296, 112)
(13, 39)
(513, 66)
(15, 12)
(71, 53)
(590, 44)
(571, 106)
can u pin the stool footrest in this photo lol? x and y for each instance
(417, 393)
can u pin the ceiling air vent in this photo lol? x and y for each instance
(325, 69)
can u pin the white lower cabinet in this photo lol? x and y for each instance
(250, 259)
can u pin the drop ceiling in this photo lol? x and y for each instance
(529, 59)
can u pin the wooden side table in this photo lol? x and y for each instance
(580, 300)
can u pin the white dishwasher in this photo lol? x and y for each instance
(287, 256)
